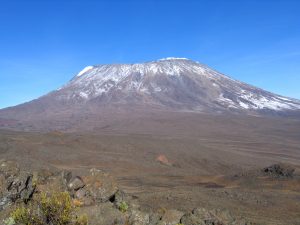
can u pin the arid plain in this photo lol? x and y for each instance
(180, 160)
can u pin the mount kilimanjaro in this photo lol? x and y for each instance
(166, 85)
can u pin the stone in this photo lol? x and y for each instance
(80, 194)
(66, 176)
(4, 202)
(154, 218)
(84, 197)
(171, 217)
(21, 188)
(278, 170)
(139, 218)
(104, 214)
(100, 186)
(75, 184)
(18, 188)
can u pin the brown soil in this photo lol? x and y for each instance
(205, 152)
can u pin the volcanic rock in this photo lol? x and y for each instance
(279, 170)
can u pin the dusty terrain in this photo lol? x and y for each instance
(211, 161)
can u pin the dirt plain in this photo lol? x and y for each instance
(213, 161)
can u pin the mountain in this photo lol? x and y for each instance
(169, 85)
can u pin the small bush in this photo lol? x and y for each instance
(57, 208)
(123, 207)
(27, 216)
(54, 209)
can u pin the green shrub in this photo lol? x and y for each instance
(27, 216)
(123, 207)
(54, 209)
(57, 208)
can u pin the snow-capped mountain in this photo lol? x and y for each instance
(170, 84)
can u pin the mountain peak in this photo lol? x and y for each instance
(176, 83)
(170, 84)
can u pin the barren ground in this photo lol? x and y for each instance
(204, 154)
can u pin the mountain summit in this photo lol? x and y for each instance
(169, 84)
(173, 83)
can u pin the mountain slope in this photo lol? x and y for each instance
(172, 84)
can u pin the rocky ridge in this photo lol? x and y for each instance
(97, 195)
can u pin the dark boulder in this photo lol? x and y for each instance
(279, 171)
(20, 188)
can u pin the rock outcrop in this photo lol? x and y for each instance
(201, 216)
(96, 195)
(279, 171)
(15, 185)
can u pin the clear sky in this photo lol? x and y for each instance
(43, 44)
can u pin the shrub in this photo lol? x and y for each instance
(57, 208)
(54, 209)
(123, 207)
(27, 216)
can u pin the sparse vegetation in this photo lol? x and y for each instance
(123, 207)
(26, 215)
(54, 209)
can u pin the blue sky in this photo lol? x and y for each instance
(43, 44)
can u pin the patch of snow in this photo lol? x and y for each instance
(99, 91)
(134, 85)
(83, 95)
(199, 70)
(84, 70)
(228, 101)
(273, 103)
(172, 58)
(157, 89)
(244, 105)
(282, 98)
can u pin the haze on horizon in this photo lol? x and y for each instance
(44, 44)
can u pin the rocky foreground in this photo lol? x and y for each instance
(96, 195)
